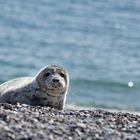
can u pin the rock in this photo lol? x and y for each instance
(81, 125)
(24, 122)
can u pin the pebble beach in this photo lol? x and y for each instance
(24, 122)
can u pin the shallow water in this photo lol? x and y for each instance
(97, 41)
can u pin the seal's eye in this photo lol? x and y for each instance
(47, 74)
(62, 74)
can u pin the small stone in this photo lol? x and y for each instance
(70, 138)
(8, 106)
(24, 105)
(51, 137)
(78, 132)
(7, 129)
(57, 132)
(81, 125)
(89, 138)
(19, 105)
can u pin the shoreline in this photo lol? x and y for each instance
(18, 122)
(94, 108)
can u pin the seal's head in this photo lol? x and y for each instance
(53, 79)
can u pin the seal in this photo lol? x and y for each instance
(48, 88)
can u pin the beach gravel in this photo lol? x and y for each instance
(24, 122)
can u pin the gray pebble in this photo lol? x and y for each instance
(36, 122)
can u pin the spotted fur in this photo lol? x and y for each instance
(48, 88)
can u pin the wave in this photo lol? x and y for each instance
(104, 84)
(104, 94)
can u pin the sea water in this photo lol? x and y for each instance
(97, 41)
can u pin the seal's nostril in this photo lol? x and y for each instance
(55, 80)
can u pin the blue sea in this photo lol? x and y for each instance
(97, 41)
